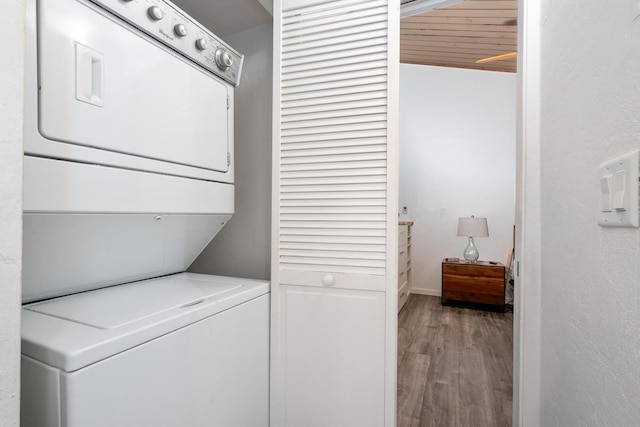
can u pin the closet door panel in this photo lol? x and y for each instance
(333, 344)
(334, 252)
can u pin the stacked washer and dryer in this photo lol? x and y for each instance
(128, 176)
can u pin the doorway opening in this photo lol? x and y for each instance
(457, 159)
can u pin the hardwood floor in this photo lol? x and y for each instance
(455, 365)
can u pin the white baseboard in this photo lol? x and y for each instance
(433, 293)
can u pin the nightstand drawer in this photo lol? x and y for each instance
(473, 297)
(472, 270)
(485, 285)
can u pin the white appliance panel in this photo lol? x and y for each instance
(40, 409)
(103, 85)
(212, 373)
(66, 253)
(63, 333)
(61, 186)
(117, 306)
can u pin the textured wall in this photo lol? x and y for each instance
(590, 113)
(243, 247)
(11, 107)
(457, 158)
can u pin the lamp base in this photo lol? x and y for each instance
(471, 253)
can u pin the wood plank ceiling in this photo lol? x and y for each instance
(460, 34)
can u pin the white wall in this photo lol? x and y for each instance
(457, 158)
(11, 117)
(590, 112)
(243, 247)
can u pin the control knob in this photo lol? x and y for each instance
(180, 30)
(224, 60)
(155, 13)
(201, 44)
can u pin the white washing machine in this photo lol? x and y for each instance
(182, 350)
(128, 174)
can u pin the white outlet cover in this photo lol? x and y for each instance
(630, 216)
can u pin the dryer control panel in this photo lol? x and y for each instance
(168, 24)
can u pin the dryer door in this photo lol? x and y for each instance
(103, 84)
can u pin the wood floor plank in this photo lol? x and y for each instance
(454, 365)
(412, 379)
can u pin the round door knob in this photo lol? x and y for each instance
(201, 44)
(224, 60)
(155, 13)
(180, 30)
(328, 280)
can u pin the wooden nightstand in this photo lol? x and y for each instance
(473, 285)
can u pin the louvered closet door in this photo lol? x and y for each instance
(335, 222)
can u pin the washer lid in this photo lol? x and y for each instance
(121, 305)
(75, 331)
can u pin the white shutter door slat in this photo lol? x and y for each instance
(342, 57)
(327, 175)
(367, 179)
(312, 51)
(338, 166)
(322, 11)
(346, 17)
(347, 157)
(300, 112)
(317, 8)
(331, 239)
(359, 134)
(331, 114)
(354, 195)
(335, 83)
(349, 232)
(337, 101)
(329, 28)
(339, 67)
(310, 125)
(329, 203)
(339, 94)
(362, 225)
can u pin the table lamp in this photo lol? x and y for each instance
(472, 227)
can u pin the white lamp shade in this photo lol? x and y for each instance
(473, 227)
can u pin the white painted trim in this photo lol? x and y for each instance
(276, 418)
(12, 54)
(527, 304)
(430, 292)
(393, 179)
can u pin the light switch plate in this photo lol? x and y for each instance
(623, 196)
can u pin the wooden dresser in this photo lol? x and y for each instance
(404, 262)
(474, 285)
